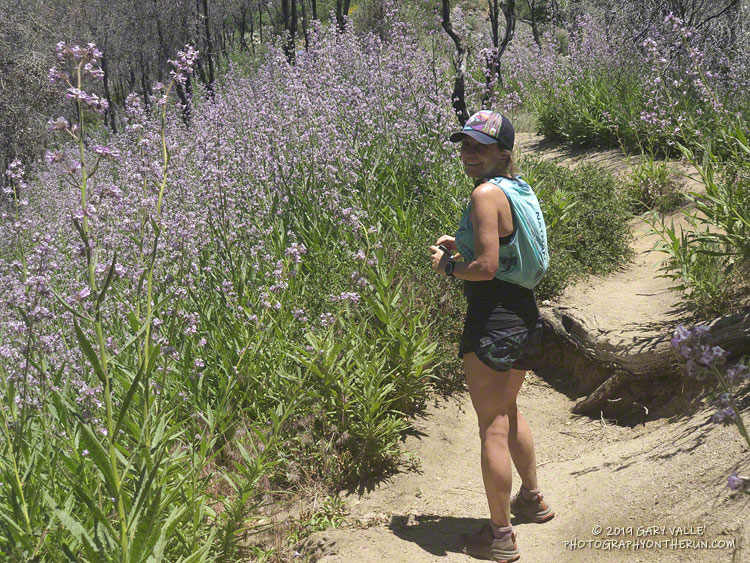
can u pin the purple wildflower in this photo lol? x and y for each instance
(712, 355)
(183, 64)
(55, 157)
(296, 251)
(723, 400)
(692, 345)
(94, 72)
(110, 190)
(349, 296)
(724, 416)
(737, 372)
(735, 482)
(75, 94)
(105, 151)
(681, 335)
(78, 297)
(59, 124)
(56, 75)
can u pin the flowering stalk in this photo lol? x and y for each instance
(181, 68)
(15, 174)
(17, 485)
(701, 358)
(86, 57)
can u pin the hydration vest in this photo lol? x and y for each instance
(525, 258)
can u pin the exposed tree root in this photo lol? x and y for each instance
(619, 373)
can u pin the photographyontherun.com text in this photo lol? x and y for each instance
(616, 538)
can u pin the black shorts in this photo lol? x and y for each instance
(503, 349)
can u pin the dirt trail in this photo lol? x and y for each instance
(669, 474)
(660, 483)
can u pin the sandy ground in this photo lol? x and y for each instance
(651, 492)
(661, 483)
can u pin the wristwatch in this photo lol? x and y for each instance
(449, 266)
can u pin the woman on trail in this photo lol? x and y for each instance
(502, 330)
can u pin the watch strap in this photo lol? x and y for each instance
(449, 266)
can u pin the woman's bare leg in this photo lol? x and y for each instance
(503, 431)
(521, 445)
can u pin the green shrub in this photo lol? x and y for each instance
(652, 185)
(700, 275)
(590, 109)
(710, 261)
(587, 221)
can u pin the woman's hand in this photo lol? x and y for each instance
(437, 259)
(448, 242)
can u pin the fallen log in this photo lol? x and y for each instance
(620, 372)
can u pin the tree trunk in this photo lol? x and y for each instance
(509, 11)
(459, 64)
(145, 85)
(617, 376)
(293, 28)
(252, 32)
(224, 43)
(314, 4)
(209, 48)
(342, 11)
(162, 48)
(185, 100)
(493, 61)
(305, 25)
(201, 70)
(108, 96)
(532, 15)
(120, 88)
(243, 27)
(288, 40)
(260, 21)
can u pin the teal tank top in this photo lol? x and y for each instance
(525, 258)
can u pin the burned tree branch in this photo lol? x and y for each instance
(459, 63)
(499, 47)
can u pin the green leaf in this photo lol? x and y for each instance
(108, 281)
(10, 520)
(133, 321)
(88, 350)
(92, 507)
(141, 329)
(75, 528)
(144, 537)
(70, 309)
(134, 384)
(100, 457)
(167, 529)
(202, 553)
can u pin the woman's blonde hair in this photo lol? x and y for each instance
(512, 167)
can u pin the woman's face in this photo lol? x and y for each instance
(479, 160)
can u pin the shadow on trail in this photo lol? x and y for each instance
(686, 441)
(377, 478)
(611, 159)
(438, 535)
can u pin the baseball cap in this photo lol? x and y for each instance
(487, 127)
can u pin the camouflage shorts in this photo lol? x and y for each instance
(503, 349)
